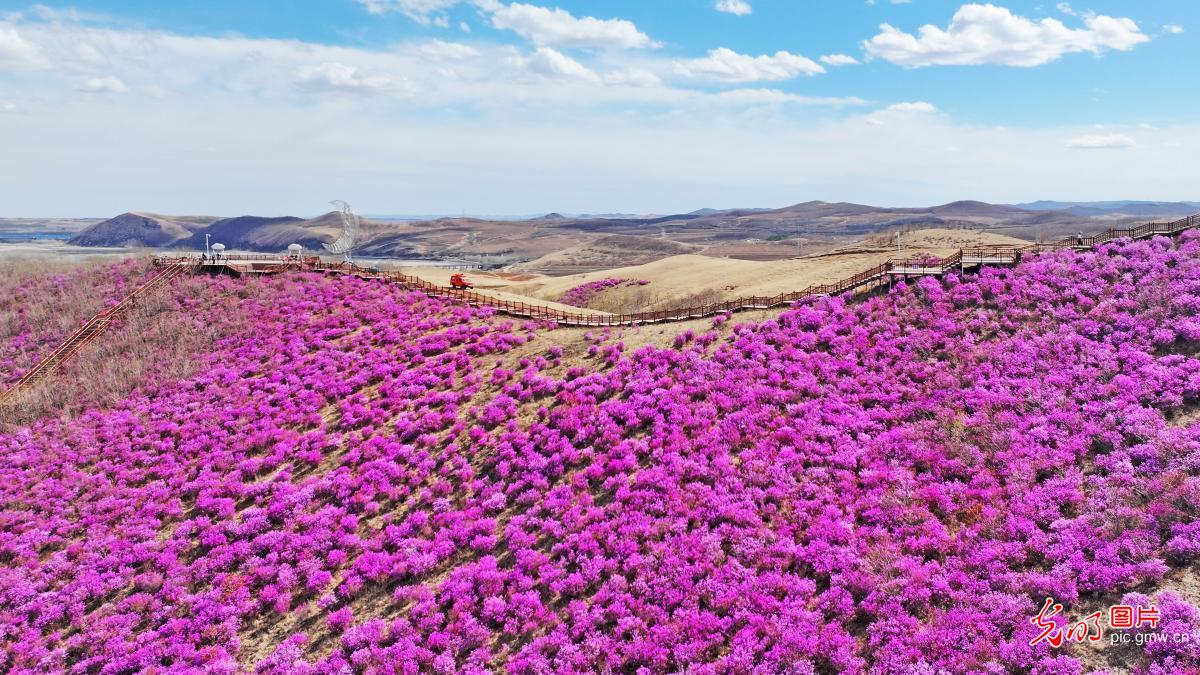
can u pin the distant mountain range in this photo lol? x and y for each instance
(714, 231)
(1117, 208)
(255, 233)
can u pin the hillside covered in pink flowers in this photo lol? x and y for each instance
(359, 478)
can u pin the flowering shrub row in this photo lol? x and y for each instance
(581, 295)
(369, 479)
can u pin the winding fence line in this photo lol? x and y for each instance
(863, 282)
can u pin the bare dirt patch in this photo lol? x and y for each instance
(700, 279)
(1104, 656)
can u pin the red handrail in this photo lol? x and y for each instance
(88, 332)
(860, 282)
(912, 266)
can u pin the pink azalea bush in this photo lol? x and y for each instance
(361, 480)
(1168, 654)
(581, 295)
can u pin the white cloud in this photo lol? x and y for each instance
(913, 107)
(232, 106)
(424, 12)
(544, 26)
(903, 114)
(987, 34)
(255, 155)
(1065, 8)
(70, 15)
(447, 74)
(333, 76)
(440, 49)
(1173, 29)
(8, 106)
(17, 52)
(88, 54)
(729, 66)
(633, 77)
(839, 60)
(552, 63)
(1101, 142)
(103, 85)
(736, 7)
(774, 96)
(559, 28)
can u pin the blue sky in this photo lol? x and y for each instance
(439, 106)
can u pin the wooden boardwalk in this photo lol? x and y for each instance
(863, 282)
(94, 328)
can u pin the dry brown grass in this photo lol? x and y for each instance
(59, 309)
(155, 342)
(690, 280)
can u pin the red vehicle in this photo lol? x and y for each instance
(459, 281)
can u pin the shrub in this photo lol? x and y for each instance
(893, 485)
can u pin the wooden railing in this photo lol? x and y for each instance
(89, 332)
(865, 281)
(862, 282)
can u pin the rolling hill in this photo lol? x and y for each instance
(230, 230)
(326, 473)
(1114, 208)
(138, 229)
(570, 244)
(252, 233)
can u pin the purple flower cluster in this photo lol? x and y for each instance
(363, 480)
(581, 295)
(1175, 647)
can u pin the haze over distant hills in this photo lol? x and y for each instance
(1111, 208)
(749, 233)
